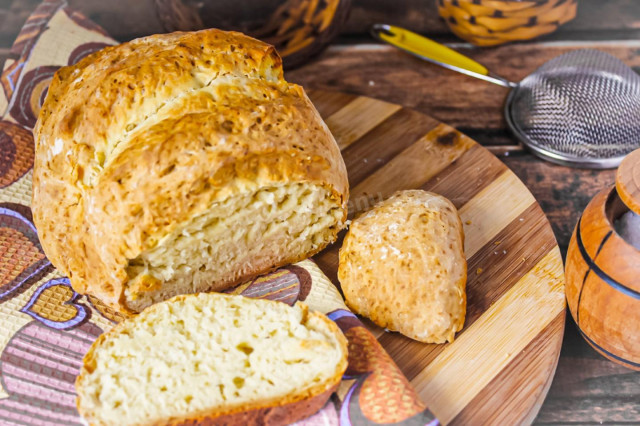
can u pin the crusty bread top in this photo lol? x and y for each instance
(402, 265)
(138, 138)
(208, 355)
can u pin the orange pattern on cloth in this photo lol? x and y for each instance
(386, 395)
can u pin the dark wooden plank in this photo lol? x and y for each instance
(620, 19)
(473, 106)
(329, 102)
(125, 19)
(4, 54)
(562, 192)
(399, 131)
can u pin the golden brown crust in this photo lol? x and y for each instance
(138, 138)
(402, 265)
(271, 412)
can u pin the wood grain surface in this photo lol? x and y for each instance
(601, 274)
(500, 365)
(127, 19)
(587, 388)
(472, 106)
(628, 181)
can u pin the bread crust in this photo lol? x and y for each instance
(281, 414)
(138, 138)
(402, 265)
(277, 411)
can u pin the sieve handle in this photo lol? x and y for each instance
(436, 53)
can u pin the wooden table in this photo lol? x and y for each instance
(587, 389)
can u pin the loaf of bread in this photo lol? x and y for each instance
(212, 359)
(181, 163)
(402, 265)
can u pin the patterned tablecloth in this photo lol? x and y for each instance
(46, 327)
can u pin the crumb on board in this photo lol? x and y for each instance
(497, 242)
(468, 222)
(479, 271)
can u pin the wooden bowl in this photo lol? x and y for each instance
(493, 22)
(602, 270)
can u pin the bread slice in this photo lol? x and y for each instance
(212, 358)
(181, 163)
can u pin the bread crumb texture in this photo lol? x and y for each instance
(209, 355)
(402, 265)
(179, 163)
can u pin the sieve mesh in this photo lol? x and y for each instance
(582, 107)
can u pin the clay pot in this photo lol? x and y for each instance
(603, 271)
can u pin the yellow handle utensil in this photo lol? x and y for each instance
(436, 53)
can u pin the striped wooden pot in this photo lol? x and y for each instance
(602, 269)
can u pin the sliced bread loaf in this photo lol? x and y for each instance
(181, 163)
(215, 359)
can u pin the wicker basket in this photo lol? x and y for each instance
(492, 22)
(297, 28)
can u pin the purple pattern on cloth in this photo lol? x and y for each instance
(9, 212)
(284, 288)
(340, 313)
(38, 369)
(82, 312)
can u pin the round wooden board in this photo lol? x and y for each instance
(499, 368)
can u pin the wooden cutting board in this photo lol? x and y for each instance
(500, 367)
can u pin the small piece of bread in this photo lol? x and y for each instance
(214, 359)
(402, 265)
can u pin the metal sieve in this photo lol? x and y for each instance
(580, 109)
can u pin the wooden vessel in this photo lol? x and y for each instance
(602, 270)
